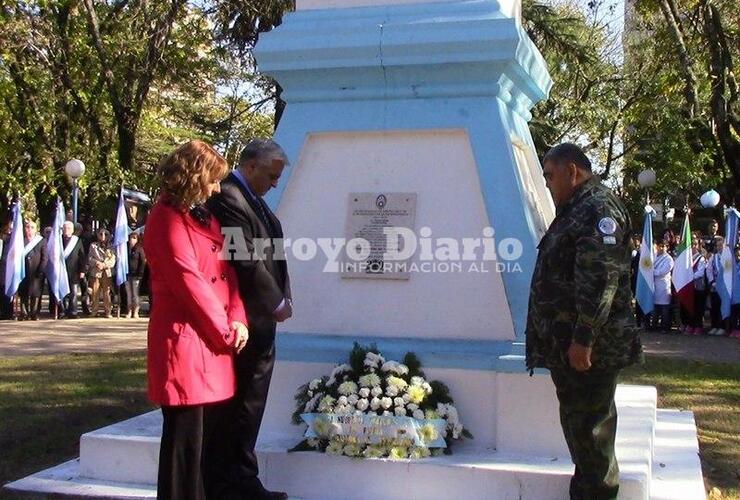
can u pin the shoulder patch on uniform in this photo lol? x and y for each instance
(607, 225)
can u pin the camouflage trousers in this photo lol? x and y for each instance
(588, 416)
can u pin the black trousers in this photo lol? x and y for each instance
(253, 373)
(194, 452)
(716, 310)
(588, 416)
(700, 307)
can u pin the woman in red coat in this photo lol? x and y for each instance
(197, 323)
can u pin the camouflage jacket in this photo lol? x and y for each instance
(581, 285)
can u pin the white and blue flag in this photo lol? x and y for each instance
(120, 240)
(56, 268)
(645, 291)
(15, 265)
(728, 287)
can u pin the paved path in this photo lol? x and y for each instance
(22, 338)
(46, 336)
(704, 348)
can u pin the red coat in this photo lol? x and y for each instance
(195, 299)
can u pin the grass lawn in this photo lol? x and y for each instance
(48, 401)
(712, 392)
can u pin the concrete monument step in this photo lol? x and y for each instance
(119, 461)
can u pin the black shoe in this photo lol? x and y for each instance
(254, 490)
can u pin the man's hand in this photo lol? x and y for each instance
(579, 357)
(242, 335)
(285, 311)
(82, 275)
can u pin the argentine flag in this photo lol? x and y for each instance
(727, 281)
(57, 268)
(120, 240)
(645, 293)
(15, 266)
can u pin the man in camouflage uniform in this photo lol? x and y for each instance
(580, 324)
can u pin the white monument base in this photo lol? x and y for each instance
(657, 453)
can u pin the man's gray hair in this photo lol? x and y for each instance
(263, 151)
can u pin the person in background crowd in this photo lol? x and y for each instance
(634, 270)
(6, 303)
(36, 259)
(714, 268)
(671, 242)
(75, 262)
(46, 285)
(84, 287)
(695, 325)
(101, 261)
(662, 272)
(709, 240)
(136, 263)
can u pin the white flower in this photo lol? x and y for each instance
(311, 404)
(386, 403)
(343, 410)
(342, 400)
(364, 392)
(441, 409)
(411, 406)
(352, 399)
(369, 380)
(347, 388)
(418, 414)
(387, 413)
(336, 372)
(417, 380)
(427, 388)
(400, 411)
(314, 384)
(376, 391)
(363, 403)
(372, 360)
(395, 367)
(406, 398)
(391, 390)
(399, 402)
(374, 404)
(309, 393)
(456, 431)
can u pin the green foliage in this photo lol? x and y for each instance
(357, 356)
(57, 105)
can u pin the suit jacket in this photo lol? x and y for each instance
(36, 261)
(190, 346)
(75, 262)
(99, 253)
(264, 283)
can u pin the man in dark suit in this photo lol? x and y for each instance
(75, 262)
(265, 289)
(31, 287)
(6, 305)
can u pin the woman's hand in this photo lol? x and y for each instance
(242, 335)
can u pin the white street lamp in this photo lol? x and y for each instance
(710, 199)
(75, 169)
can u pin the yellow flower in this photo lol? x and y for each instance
(416, 394)
(374, 451)
(428, 433)
(335, 447)
(398, 453)
(419, 452)
(397, 382)
(352, 450)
